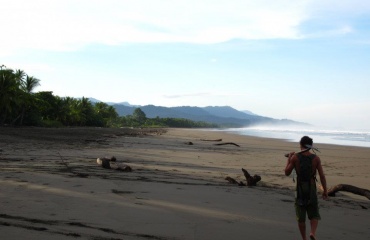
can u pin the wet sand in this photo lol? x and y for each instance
(52, 188)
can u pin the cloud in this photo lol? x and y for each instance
(67, 25)
(341, 30)
(347, 7)
(64, 25)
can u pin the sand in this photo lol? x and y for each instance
(52, 188)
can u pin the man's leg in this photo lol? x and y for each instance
(314, 223)
(302, 229)
(314, 216)
(301, 218)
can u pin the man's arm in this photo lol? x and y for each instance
(322, 179)
(290, 164)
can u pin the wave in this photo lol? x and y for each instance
(347, 137)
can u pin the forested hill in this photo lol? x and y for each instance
(224, 116)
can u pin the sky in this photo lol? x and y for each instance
(305, 60)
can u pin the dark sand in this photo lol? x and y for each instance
(52, 188)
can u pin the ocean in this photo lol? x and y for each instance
(359, 138)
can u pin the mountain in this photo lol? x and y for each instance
(226, 111)
(93, 100)
(123, 103)
(248, 112)
(224, 116)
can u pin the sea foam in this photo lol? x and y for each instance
(360, 138)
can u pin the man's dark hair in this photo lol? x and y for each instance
(305, 140)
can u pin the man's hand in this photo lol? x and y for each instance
(325, 195)
(289, 166)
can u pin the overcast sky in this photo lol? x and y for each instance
(304, 60)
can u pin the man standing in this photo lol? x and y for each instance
(306, 164)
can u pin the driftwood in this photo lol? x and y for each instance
(110, 163)
(349, 188)
(227, 143)
(233, 181)
(212, 140)
(251, 181)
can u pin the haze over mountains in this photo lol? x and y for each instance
(224, 116)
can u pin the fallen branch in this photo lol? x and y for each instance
(227, 143)
(349, 188)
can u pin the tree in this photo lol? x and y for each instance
(9, 94)
(139, 116)
(105, 112)
(27, 84)
(19, 105)
(15, 95)
(45, 104)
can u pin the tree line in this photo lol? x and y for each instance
(139, 119)
(21, 106)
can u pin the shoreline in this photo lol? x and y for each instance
(274, 150)
(326, 137)
(176, 190)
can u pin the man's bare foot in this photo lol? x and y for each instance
(312, 237)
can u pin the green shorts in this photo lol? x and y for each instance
(312, 211)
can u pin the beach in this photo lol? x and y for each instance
(52, 188)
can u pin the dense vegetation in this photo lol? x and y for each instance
(19, 105)
(139, 119)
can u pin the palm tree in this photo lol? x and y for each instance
(63, 110)
(27, 85)
(19, 76)
(9, 92)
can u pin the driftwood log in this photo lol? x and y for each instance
(227, 143)
(233, 181)
(251, 180)
(212, 140)
(110, 163)
(349, 188)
